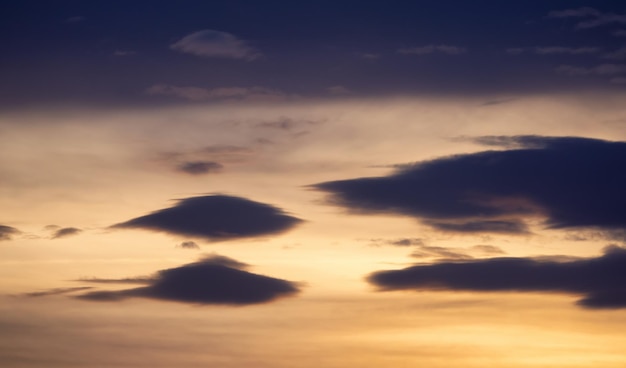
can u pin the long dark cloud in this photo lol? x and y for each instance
(601, 281)
(570, 182)
(7, 232)
(215, 218)
(212, 280)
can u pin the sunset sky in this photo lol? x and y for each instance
(294, 184)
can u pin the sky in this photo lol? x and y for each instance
(303, 184)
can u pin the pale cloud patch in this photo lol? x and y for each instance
(602, 20)
(215, 44)
(575, 13)
(124, 53)
(223, 93)
(432, 49)
(370, 56)
(619, 54)
(620, 33)
(514, 51)
(338, 90)
(554, 50)
(75, 19)
(595, 18)
(603, 69)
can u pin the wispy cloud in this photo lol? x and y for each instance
(595, 18)
(432, 49)
(338, 90)
(575, 13)
(619, 54)
(215, 44)
(552, 50)
(224, 93)
(603, 69)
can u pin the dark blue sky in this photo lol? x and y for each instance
(112, 52)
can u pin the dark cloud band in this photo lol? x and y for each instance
(571, 182)
(601, 281)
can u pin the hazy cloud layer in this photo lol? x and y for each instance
(211, 43)
(601, 281)
(591, 18)
(65, 232)
(7, 232)
(570, 182)
(215, 218)
(212, 280)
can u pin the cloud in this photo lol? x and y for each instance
(602, 20)
(428, 251)
(600, 281)
(213, 280)
(127, 280)
(406, 242)
(124, 53)
(287, 124)
(483, 226)
(487, 249)
(603, 69)
(432, 49)
(620, 33)
(189, 245)
(338, 90)
(421, 250)
(515, 50)
(200, 167)
(575, 13)
(619, 54)
(595, 18)
(215, 218)
(370, 56)
(570, 182)
(57, 291)
(224, 93)
(65, 232)
(555, 50)
(497, 102)
(7, 232)
(619, 80)
(75, 19)
(215, 44)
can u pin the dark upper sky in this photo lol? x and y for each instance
(142, 52)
